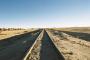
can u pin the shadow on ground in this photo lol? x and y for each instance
(12, 40)
(48, 50)
(15, 49)
(84, 36)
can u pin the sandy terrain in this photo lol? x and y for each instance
(75, 29)
(7, 34)
(72, 48)
(71, 44)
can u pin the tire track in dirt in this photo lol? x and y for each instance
(44, 49)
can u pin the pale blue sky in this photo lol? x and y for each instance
(44, 13)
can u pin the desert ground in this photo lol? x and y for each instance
(9, 33)
(45, 44)
(74, 43)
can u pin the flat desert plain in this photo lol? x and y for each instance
(10, 33)
(74, 43)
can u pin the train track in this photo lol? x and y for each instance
(43, 49)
